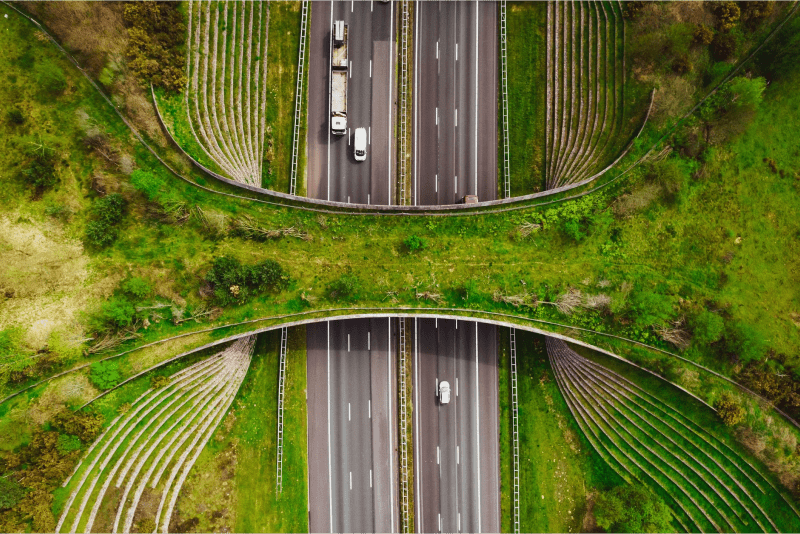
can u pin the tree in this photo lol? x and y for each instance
(632, 509)
(10, 493)
(707, 327)
(105, 375)
(723, 46)
(727, 13)
(755, 11)
(729, 411)
(746, 91)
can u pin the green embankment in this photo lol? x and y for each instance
(560, 473)
(527, 87)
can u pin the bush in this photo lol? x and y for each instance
(40, 173)
(682, 65)
(237, 283)
(745, 342)
(649, 308)
(147, 183)
(703, 35)
(10, 493)
(15, 116)
(138, 288)
(729, 410)
(68, 443)
(105, 375)
(723, 46)
(632, 509)
(707, 327)
(414, 243)
(347, 287)
(51, 78)
(107, 212)
(158, 382)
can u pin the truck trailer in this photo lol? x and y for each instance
(339, 76)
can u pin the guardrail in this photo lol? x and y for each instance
(405, 48)
(404, 504)
(298, 103)
(281, 389)
(515, 427)
(504, 89)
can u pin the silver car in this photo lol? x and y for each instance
(444, 392)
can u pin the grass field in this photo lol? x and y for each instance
(560, 472)
(526, 95)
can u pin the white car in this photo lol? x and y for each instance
(444, 392)
(360, 144)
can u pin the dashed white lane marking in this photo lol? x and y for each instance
(369, 408)
(348, 411)
(351, 480)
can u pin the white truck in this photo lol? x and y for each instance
(339, 75)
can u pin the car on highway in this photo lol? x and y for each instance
(444, 392)
(360, 144)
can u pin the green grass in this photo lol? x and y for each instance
(527, 22)
(560, 472)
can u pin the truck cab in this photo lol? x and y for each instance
(360, 144)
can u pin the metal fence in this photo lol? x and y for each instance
(515, 426)
(281, 387)
(504, 82)
(405, 53)
(404, 504)
(298, 102)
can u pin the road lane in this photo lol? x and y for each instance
(333, 172)
(456, 450)
(353, 438)
(455, 150)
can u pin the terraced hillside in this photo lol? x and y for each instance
(585, 71)
(227, 84)
(133, 473)
(709, 487)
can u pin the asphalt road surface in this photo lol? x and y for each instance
(455, 102)
(456, 445)
(333, 172)
(352, 426)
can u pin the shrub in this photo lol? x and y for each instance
(729, 411)
(61, 212)
(707, 327)
(703, 35)
(723, 46)
(347, 287)
(85, 425)
(68, 443)
(745, 342)
(105, 375)
(40, 173)
(234, 282)
(156, 34)
(10, 493)
(99, 234)
(15, 116)
(632, 8)
(147, 183)
(746, 91)
(115, 313)
(669, 176)
(414, 243)
(632, 509)
(138, 288)
(51, 78)
(109, 208)
(649, 308)
(682, 65)
(754, 12)
(727, 13)
(158, 382)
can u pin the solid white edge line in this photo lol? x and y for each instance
(369, 342)
(369, 135)
(330, 476)
(417, 494)
(370, 68)
(389, 399)
(391, 56)
(478, 424)
(477, 16)
(369, 408)
(330, 82)
(351, 480)
(349, 418)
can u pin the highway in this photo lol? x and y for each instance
(333, 173)
(352, 436)
(456, 452)
(455, 102)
